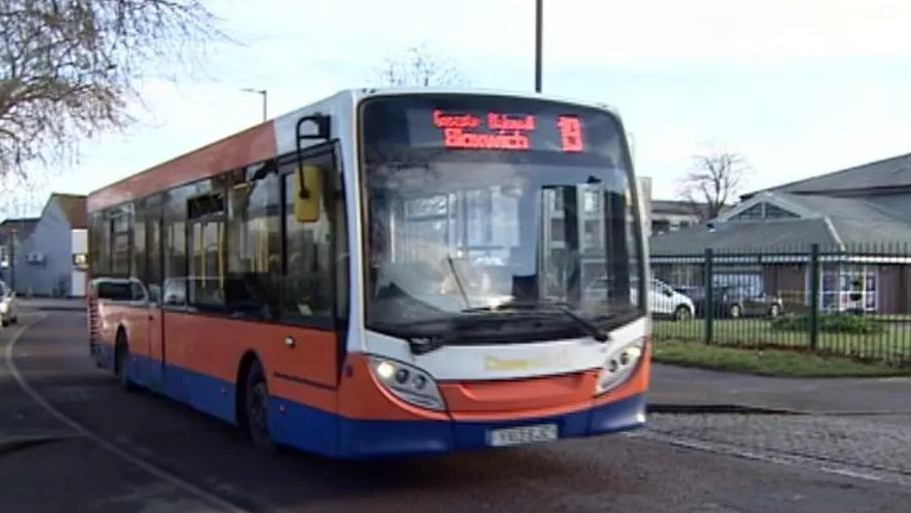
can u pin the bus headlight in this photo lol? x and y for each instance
(619, 365)
(408, 383)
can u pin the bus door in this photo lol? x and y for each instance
(316, 266)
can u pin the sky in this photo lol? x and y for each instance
(797, 88)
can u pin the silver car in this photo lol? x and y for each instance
(9, 305)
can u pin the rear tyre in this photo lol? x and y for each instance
(256, 411)
(734, 311)
(774, 311)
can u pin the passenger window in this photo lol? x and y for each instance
(138, 251)
(137, 293)
(121, 261)
(207, 252)
(153, 249)
(175, 292)
(254, 278)
(315, 283)
(175, 234)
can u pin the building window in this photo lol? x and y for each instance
(593, 235)
(840, 283)
(776, 212)
(660, 226)
(590, 203)
(80, 261)
(764, 210)
(753, 213)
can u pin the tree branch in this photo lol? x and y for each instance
(713, 180)
(417, 67)
(70, 68)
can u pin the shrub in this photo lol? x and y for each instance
(830, 323)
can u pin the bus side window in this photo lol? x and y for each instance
(309, 286)
(254, 242)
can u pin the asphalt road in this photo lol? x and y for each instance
(136, 452)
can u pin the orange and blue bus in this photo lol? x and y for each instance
(384, 273)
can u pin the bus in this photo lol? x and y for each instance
(385, 273)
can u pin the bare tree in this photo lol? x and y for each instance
(19, 195)
(714, 180)
(418, 67)
(70, 69)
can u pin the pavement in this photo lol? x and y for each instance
(678, 389)
(52, 304)
(113, 451)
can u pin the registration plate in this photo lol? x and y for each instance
(523, 435)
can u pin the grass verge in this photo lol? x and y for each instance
(766, 362)
(894, 343)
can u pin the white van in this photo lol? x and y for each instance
(663, 301)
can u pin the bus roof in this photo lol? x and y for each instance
(256, 144)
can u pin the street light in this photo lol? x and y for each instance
(539, 36)
(265, 95)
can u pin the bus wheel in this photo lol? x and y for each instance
(256, 410)
(122, 361)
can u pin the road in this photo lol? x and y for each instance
(136, 452)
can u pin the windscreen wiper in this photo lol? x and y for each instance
(594, 331)
(421, 339)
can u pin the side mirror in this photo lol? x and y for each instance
(307, 201)
(668, 293)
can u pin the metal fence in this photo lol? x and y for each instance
(854, 303)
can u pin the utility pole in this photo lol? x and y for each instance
(539, 43)
(12, 260)
(265, 96)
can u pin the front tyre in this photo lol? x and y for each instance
(256, 411)
(682, 313)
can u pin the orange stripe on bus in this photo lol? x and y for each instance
(215, 347)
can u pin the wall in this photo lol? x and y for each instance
(51, 237)
(80, 244)
(789, 282)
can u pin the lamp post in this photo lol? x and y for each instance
(539, 36)
(265, 95)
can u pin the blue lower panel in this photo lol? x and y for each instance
(314, 430)
(366, 439)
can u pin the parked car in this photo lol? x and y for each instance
(735, 301)
(9, 305)
(663, 301)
